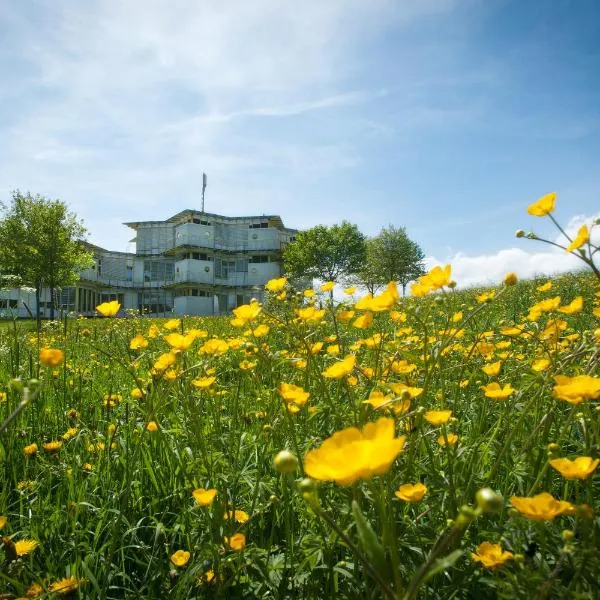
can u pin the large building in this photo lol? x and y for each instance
(194, 263)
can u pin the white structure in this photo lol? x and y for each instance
(194, 263)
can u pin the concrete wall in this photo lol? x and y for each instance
(194, 305)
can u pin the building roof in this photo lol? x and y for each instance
(274, 220)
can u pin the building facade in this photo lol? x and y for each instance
(194, 263)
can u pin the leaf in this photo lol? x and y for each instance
(441, 564)
(370, 544)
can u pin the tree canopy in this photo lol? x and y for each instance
(391, 256)
(325, 252)
(41, 243)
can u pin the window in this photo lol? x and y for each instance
(263, 258)
(129, 273)
(258, 226)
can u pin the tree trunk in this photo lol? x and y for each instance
(37, 304)
(52, 308)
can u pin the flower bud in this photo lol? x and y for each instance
(552, 448)
(510, 279)
(452, 284)
(567, 535)
(285, 462)
(519, 233)
(532, 236)
(488, 500)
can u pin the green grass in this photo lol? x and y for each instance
(117, 524)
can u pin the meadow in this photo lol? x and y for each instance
(438, 446)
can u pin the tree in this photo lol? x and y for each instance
(326, 253)
(391, 256)
(41, 242)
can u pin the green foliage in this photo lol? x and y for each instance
(41, 242)
(326, 253)
(391, 256)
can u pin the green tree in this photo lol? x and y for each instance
(391, 256)
(41, 242)
(326, 253)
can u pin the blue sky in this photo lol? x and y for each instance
(445, 116)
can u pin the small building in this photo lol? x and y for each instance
(194, 263)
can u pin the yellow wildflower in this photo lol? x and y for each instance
(204, 497)
(24, 547)
(574, 307)
(51, 357)
(583, 237)
(341, 369)
(580, 468)
(236, 542)
(276, 285)
(180, 558)
(352, 454)
(437, 417)
(575, 390)
(543, 206)
(108, 309)
(66, 586)
(493, 390)
(491, 555)
(216, 347)
(542, 507)
(139, 342)
(293, 393)
(411, 492)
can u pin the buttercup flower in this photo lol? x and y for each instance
(236, 542)
(544, 206)
(411, 492)
(3, 522)
(152, 426)
(542, 507)
(180, 558)
(574, 307)
(139, 342)
(341, 369)
(580, 468)
(575, 390)
(51, 357)
(239, 516)
(108, 309)
(204, 497)
(276, 285)
(492, 369)
(180, 343)
(583, 237)
(327, 286)
(450, 440)
(493, 390)
(352, 454)
(293, 393)
(437, 417)
(491, 555)
(30, 450)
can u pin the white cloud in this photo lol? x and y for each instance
(487, 269)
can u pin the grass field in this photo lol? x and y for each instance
(425, 444)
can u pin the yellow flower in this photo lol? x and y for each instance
(402, 367)
(450, 440)
(3, 522)
(152, 426)
(247, 312)
(180, 343)
(216, 347)
(341, 369)
(309, 293)
(204, 497)
(30, 450)
(164, 361)
(293, 393)
(574, 307)
(51, 357)
(172, 324)
(66, 586)
(485, 296)
(34, 591)
(402, 390)
(24, 547)
(411, 492)
(139, 342)
(136, 393)
(261, 330)
(364, 321)
(583, 237)
(540, 364)
(438, 417)
(153, 331)
(510, 279)
(239, 516)
(493, 390)
(438, 277)
(108, 309)
(544, 206)
(70, 433)
(333, 350)
(545, 287)
(492, 369)
(350, 290)
(180, 558)
(52, 447)
(542, 507)
(236, 542)
(491, 555)
(276, 285)
(327, 286)
(203, 382)
(580, 468)
(575, 390)
(352, 454)
(310, 314)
